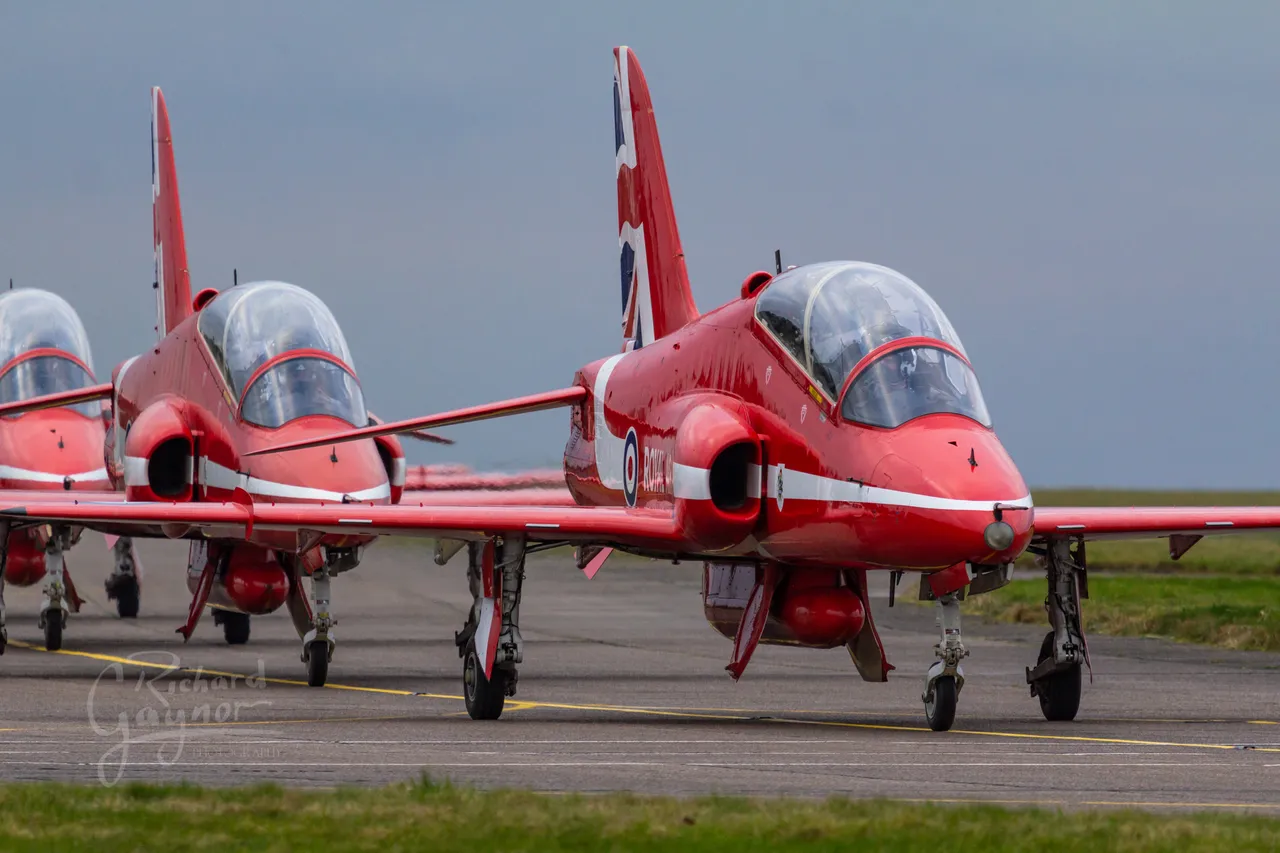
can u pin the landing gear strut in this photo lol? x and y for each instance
(319, 642)
(123, 586)
(54, 607)
(1056, 677)
(945, 678)
(490, 644)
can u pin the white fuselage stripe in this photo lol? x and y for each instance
(801, 486)
(216, 476)
(9, 472)
(610, 449)
(690, 483)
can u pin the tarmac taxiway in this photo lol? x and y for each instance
(623, 687)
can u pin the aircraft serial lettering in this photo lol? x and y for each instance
(658, 470)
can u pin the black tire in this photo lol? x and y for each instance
(235, 627)
(128, 598)
(941, 712)
(53, 629)
(317, 663)
(1059, 693)
(484, 697)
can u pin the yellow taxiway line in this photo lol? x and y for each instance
(742, 715)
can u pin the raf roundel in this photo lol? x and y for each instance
(631, 467)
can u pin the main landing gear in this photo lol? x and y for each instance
(490, 644)
(123, 585)
(1056, 677)
(235, 626)
(319, 640)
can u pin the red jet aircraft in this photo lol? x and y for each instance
(44, 350)
(823, 425)
(231, 372)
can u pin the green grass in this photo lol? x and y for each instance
(443, 818)
(1150, 497)
(1229, 612)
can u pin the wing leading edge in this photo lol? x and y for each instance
(658, 530)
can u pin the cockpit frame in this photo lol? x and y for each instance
(40, 352)
(323, 355)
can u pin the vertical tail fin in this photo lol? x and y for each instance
(173, 281)
(656, 299)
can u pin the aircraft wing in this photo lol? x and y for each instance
(1150, 522)
(486, 496)
(646, 529)
(59, 399)
(479, 514)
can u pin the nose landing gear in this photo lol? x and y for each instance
(945, 678)
(54, 607)
(319, 640)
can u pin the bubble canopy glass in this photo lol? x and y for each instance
(32, 319)
(829, 316)
(252, 324)
(37, 319)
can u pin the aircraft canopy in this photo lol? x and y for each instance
(249, 325)
(830, 315)
(37, 319)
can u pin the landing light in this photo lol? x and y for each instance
(998, 535)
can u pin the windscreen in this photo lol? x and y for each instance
(47, 374)
(909, 383)
(303, 386)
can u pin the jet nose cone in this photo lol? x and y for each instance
(969, 501)
(353, 471)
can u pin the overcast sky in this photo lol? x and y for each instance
(1089, 190)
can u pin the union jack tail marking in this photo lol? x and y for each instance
(656, 299)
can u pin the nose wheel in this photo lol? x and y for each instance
(317, 657)
(940, 706)
(53, 621)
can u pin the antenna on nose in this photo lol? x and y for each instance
(235, 276)
(777, 261)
